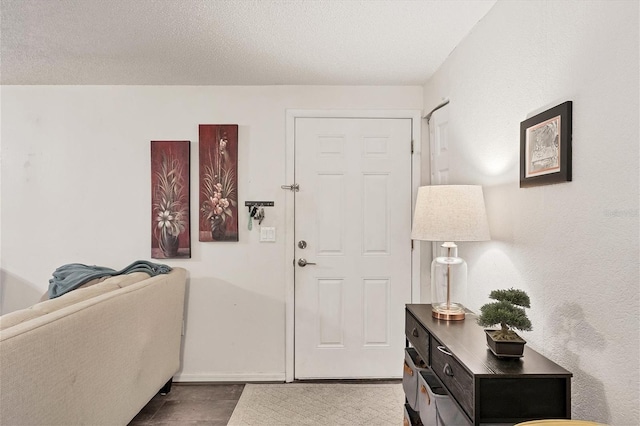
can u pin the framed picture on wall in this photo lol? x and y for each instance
(170, 195)
(218, 182)
(545, 147)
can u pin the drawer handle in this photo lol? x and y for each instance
(415, 332)
(424, 391)
(447, 370)
(408, 369)
(444, 351)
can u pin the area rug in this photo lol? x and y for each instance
(319, 404)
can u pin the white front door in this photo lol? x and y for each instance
(353, 227)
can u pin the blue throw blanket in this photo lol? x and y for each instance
(71, 276)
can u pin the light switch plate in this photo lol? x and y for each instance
(267, 234)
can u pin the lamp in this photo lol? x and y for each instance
(449, 213)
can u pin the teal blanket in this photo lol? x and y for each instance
(73, 275)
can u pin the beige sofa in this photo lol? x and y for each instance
(93, 356)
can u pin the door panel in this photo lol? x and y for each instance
(354, 211)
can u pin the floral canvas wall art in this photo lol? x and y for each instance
(218, 182)
(170, 233)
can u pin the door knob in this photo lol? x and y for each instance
(303, 262)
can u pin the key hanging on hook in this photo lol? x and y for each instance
(252, 213)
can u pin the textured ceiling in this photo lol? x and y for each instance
(239, 42)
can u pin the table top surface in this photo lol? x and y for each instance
(467, 342)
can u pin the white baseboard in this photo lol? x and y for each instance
(229, 377)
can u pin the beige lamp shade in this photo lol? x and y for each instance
(450, 213)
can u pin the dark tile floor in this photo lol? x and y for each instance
(191, 404)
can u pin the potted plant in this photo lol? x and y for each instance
(508, 311)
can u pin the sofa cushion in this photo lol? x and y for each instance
(74, 296)
(95, 281)
(128, 279)
(91, 289)
(17, 317)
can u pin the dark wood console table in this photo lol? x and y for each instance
(487, 389)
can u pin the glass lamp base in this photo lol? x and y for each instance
(452, 312)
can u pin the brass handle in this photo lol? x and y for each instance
(408, 369)
(424, 391)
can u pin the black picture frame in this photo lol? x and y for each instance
(545, 147)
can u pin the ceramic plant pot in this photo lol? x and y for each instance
(505, 348)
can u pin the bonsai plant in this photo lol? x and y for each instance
(508, 311)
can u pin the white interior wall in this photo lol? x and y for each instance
(76, 188)
(572, 246)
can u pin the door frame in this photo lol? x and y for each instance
(291, 114)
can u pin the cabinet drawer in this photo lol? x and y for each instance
(458, 381)
(418, 336)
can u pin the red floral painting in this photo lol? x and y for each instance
(170, 226)
(218, 182)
